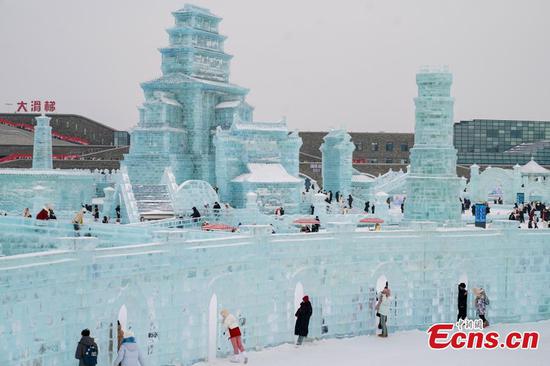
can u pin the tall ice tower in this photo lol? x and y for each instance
(184, 106)
(42, 149)
(432, 185)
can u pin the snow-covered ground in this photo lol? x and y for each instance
(401, 348)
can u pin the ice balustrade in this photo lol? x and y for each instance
(127, 196)
(27, 235)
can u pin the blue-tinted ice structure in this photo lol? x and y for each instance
(169, 284)
(261, 158)
(64, 191)
(191, 106)
(433, 189)
(42, 151)
(337, 150)
(531, 180)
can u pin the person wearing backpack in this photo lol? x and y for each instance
(86, 350)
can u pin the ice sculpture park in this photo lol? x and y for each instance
(166, 275)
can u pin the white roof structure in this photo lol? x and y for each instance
(266, 173)
(229, 104)
(533, 168)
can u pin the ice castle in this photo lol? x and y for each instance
(198, 125)
(167, 280)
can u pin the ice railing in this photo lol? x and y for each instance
(48, 232)
(128, 195)
(392, 185)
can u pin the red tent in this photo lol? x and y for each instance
(306, 221)
(218, 227)
(371, 220)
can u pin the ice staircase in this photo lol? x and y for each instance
(396, 185)
(153, 200)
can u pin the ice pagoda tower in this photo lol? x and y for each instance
(183, 107)
(432, 185)
(42, 149)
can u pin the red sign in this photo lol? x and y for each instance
(36, 106)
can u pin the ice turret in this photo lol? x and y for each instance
(42, 150)
(432, 185)
(337, 150)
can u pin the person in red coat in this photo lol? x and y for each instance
(44, 214)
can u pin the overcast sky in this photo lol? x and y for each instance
(322, 64)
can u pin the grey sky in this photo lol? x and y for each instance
(322, 64)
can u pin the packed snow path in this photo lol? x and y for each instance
(402, 348)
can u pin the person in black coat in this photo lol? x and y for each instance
(462, 301)
(196, 214)
(350, 201)
(302, 320)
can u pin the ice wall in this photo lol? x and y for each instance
(168, 286)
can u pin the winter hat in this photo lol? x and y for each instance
(305, 298)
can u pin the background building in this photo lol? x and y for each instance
(502, 142)
(375, 152)
(78, 142)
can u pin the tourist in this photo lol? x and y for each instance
(196, 214)
(78, 219)
(96, 213)
(217, 208)
(312, 209)
(232, 326)
(117, 211)
(330, 196)
(105, 220)
(521, 216)
(462, 301)
(350, 201)
(86, 350)
(372, 208)
(307, 184)
(119, 335)
(282, 211)
(304, 312)
(336, 196)
(51, 213)
(27, 213)
(481, 303)
(383, 308)
(403, 207)
(367, 204)
(377, 227)
(44, 214)
(129, 353)
(315, 227)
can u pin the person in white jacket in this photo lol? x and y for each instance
(129, 353)
(383, 308)
(232, 326)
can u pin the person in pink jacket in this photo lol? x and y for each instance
(232, 326)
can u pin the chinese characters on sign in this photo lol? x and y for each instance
(36, 106)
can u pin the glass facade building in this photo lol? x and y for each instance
(502, 142)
